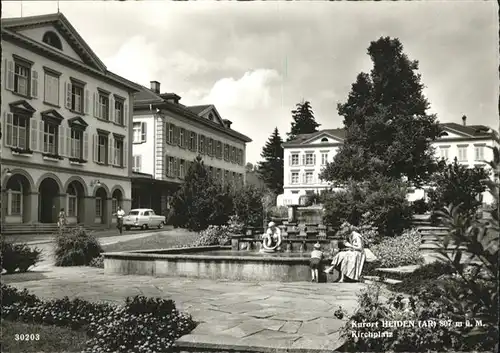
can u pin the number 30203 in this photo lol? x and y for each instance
(27, 337)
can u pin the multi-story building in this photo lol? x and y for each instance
(306, 156)
(168, 136)
(65, 126)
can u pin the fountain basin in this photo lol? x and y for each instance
(213, 262)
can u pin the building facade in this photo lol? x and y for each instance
(168, 136)
(306, 156)
(66, 126)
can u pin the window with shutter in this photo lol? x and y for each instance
(22, 78)
(34, 136)
(143, 132)
(85, 146)
(9, 77)
(68, 99)
(34, 84)
(51, 88)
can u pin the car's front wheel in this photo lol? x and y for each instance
(160, 226)
(144, 227)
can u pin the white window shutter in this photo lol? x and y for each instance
(34, 84)
(67, 86)
(85, 146)
(125, 115)
(111, 150)
(303, 159)
(9, 120)
(34, 135)
(68, 142)
(60, 147)
(303, 178)
(143, 131)
(86, 102)
(125, 154)
(314, 159)
(112, 110)
(289, 178)
(95, 105)
(290, 160)
(9, 78)
(139, 160)
(95, 148)
(41, 134)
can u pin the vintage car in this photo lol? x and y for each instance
(143, 218)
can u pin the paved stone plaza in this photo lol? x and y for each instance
(262, 317)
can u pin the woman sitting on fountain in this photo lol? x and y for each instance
(350, 262)
(272, 237)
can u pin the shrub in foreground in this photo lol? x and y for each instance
(76, 247)
(428, 306)
(399, 251)
(18, 256)
(141, 325)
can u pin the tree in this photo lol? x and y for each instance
(458, 185)
(271, 169)
(388, 130)
(201, 201)
(303, 120)
(248, 205)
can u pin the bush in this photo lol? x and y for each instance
(426, 276)
(76, 247)
(278, 212)
(214, 235)
(248, 205)
(429, 306)
(97, 262)
(458, 185)
(385, 202)
(399, 251)
(420, 207)
(141, 325)
(18, 256)
(235, 225)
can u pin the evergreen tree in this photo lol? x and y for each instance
(303, 120)
(271, 169)
(201, 201)
(388, 130)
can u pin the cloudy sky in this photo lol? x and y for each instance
(256, 60)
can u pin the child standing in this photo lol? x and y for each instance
(316, 257)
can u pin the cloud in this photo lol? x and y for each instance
(253, 90)
(137, 59)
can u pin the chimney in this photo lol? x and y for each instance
(228, 123)
(464, 120)
(155, 86)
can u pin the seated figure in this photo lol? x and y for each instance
(271, 239)
(350, 261)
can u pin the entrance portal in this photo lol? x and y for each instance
(49, 201)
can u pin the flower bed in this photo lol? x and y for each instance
(141, 325)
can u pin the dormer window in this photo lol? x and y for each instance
(52, 39)
(324, 139)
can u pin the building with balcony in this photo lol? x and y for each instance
(66, 126)
(306, 156)
(168, 136)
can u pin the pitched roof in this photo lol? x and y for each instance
(59, 21)
(197, 109)
(473, 131)
(467, 131)
(300, 139)
(146, 96)
(12, 26)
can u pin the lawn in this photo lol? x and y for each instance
(113, 232)
(49, 339)
(174, 238)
